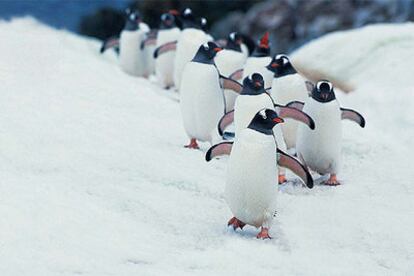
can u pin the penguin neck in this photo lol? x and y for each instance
(131, 26)
(251, 92)
(261, 52)
(231, 45)
(201, 57)
(284, 71)
(261, 128)
(167, 27)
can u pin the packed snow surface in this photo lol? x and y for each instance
(95, 179)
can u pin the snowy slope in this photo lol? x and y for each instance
(95, 181)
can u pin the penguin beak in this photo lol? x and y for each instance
(257, 84)
(217, 49)
(278, 120)
(274, 65)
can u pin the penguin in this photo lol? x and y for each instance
(201, 96)
(253, 98)
(250, 191)
(228, 61)
(287, 85)
(259, 59)
(131, 57)
(164, 64)
(320, 149)
(190, 39)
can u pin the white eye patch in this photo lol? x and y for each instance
(187, 11)
(203, 21)
(263, 113)
(232, 36)
(320, 83)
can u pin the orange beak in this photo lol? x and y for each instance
(274, 65)
(257, 83)
(218, 49)
(278, 120)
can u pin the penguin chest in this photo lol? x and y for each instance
(284, 90)
(258, 65)
(320, 148)
(130, 54)
(187, 46)
(201, 100)
(251, 184)
(246, 107)
(164, 64)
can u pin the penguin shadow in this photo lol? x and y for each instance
(249, 233)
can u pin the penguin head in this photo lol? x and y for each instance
(234, 41)
(167, 21)
(263, 47)
(253, 85)
(188, 20)
(132, 21)
(264, 121)
(323, 92)
(177, 19)
(281, 66)
(206, 53)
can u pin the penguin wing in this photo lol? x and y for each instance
(296, 104)
(112, 42)
(165, 48)
(236, 75)
(296, 114)
(223, 148)
(227, 83)
(287, 161)
(148, 41)
(349, 114)
(225, 121)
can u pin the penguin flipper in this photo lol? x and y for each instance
(148, 41)
(223, 148)
(112, 42)
(236, 75)
(296, 104)
(296, 114)
(165, 48)
(227, 83)
(349, 114)
(287, 161)
(225, 121)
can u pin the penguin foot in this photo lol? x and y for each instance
(264, 234)
(236, 223)
(193, 144)
(332, 181)
(282, 178)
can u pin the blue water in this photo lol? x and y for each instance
(58, 13)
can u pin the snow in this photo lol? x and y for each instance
(95, 181)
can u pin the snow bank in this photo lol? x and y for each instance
(94, 179)
(379, 54)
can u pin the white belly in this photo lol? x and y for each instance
(284, 90)
(187, 46)
(321, 148)
(258, 65)
(227, 62)
(201, 101)
(131, 58)
(251, 184)
(164, 64)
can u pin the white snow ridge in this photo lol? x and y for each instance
(95, 180)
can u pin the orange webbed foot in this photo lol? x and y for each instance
(264, 234)
(236, 223)
(192, 145)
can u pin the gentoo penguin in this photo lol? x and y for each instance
(320, 149)
(250, 188)
(164, 64)
(190, 39)
(253, 98)
(229, 61)
(131, 57)
(259, 59)
(288, 85)
(201, 99)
